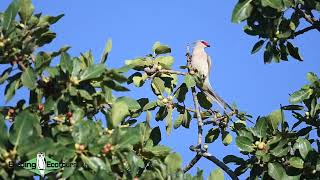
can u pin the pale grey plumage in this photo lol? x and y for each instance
(201, 62)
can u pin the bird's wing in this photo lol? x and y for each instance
(209, 64)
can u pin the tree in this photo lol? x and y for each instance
(59, 117)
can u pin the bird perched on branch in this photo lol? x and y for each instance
(201, 63)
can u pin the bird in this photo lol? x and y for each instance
(41, 163)
(201, 63)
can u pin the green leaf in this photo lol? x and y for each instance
(158, 150)
(296, 162)
(119, 111)
(226, 138)
(11, 89)
(244, 144)
(150, 105)
(241, 11)
(181, 92)
(216, 174)
(67, 172)
(47, 20)
(84, 131)
(304, 147)
(93, 71)
(293, 107)
(26, 10)
(159, 48)
(189, 80)
(157, 86)
(29, 78)
(3, 133)
(300, 95)
(66, 63)
(174, 162)
(85, 94)
(276, 4)
(212, 135)
(275, 170)
(233, 158)
(260, 128)
(9, 15)
(312, 77)
(178, 121)
(203, 100)
(24, 128)
(155, 135)
(257, 46)
(93, 162)
(5, 74)
(274, 119)
(268, 55)
(294, 51)
(106, 51)
(132, 104)
(128, 136)
(165, 61)
(169, 121)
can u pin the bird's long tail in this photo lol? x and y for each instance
(209, 92)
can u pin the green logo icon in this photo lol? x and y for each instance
(41, 165)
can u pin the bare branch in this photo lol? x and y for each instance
(220, 164)
(199, 119)
(192, 163)
(304, 30)
(309, 19)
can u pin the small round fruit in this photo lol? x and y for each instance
(257, 143)
(5, 154)
(76, 146)
(170, 98)
(307, 113)
(261, 145)
(13, 152)
(159, 67)
(106, 148)
(205, 146)
(8, 161)
(1, 44)
(82, 147)
(69, 115)
(160, 97)
(40, 107)
(165, 100)
(192, 72)
(74, 80)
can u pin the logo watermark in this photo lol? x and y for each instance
(43, 165)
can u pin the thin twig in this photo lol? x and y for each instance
(220, 164)
(192, 163)
(309, 19)
(165, 71)
(22, 65)
(304, 30)
(215, 160)
(199, 119)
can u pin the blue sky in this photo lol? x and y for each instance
(134, 26)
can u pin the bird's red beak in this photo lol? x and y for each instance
(205, 43)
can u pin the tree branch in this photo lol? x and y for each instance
(199, 119)
(304, 30)
(219, 163)
(192, 163)
(309, 19)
